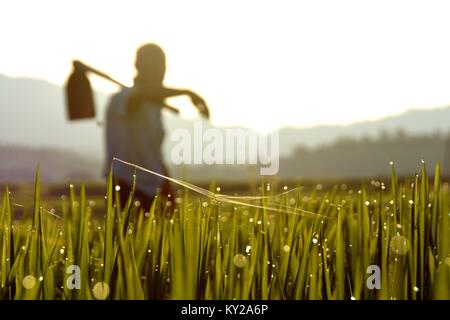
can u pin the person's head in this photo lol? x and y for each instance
(151, 63)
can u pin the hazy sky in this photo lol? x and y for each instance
(258, 63)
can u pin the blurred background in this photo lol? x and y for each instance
(350, 85)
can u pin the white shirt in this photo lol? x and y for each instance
(137, 138)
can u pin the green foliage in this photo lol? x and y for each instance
(213, 250)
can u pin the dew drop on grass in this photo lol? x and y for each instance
(314, 240)
(286, 248)
(218, 189)
(41, 278)
(29, 282)
(117, 188)
(352, 298)
(240, 260)
(447, 261)
(101, 290)
(205, 204)
(367, 203)
(416, 289)
(247, 249)
(285, 187)
(399, 245)
(137, 203)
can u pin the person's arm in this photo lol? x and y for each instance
(159, 94)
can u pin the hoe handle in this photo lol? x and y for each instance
(78, 65)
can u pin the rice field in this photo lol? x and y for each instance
(280, 244)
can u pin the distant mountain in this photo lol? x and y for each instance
(32, 113)
(18, 164)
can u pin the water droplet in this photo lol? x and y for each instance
(218, 189)
(29, 282)
(447, 261)
(240, 260)
(367, 203)
(247, 249)
(117, 188)
(314, 240)
(101, 290)
(205, 204)
(291, 201)
(259, 221)
(411, 202)
(137, 203)
(399, 245)
(416, 289)
(61, 251)
(391, 163)
(286, 248)
(352, 298)
(41, 278)
(285, 187)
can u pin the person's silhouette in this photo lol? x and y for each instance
(134, 130)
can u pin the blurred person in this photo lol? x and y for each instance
(134, 129)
